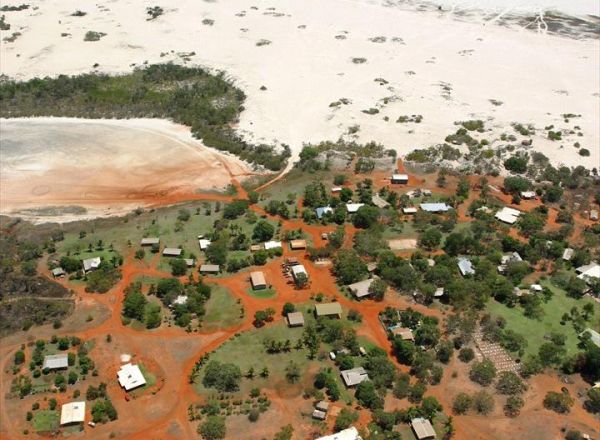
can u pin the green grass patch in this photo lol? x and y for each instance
(46, 420)
(534, 330)
(222, 310)
(261, 293)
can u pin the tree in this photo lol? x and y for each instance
(19, 357)
(285, 433)
(140, 254)
(263, 231)
(513, 406)
(551, 353)
(461, 404)
(346, 194)
(466, 354)
(430, 407)
(516, 184)
(377, 289)
(235, 209)
(444, 351)
(367, 396)
(516, 164)
(483, 402)
(483, 372)
(430, 238)
(366, 216)
(558, 402)
(288, 308)
(178, 267)
(311, 340)
(592, 404)
(349, 267)
(134, 304)
(510, 383)
(222, 376)
(292, 372)
(403, 350)
(213, 428)
(345, 418)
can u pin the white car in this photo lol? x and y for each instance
(332, 355)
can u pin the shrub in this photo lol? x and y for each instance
(558, 402)
(462, 403)
(483, 372)
(93, 36)
(483, 402)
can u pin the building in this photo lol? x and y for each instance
(508, 258)
(150, 241)
(405, 333)
(297, 245)
(409, 210)
(537, 288)
(298, 269)
(258, 280)
(295, 319)
(466, 267)
(379, 201)
(361, 288)
(322, 211)
(354, 376)
(346, 434)
(272, 245)
(180, 300)
(204, 243)
(568, 254)
(329, 309)
(130, 377)
(353, 207)
(209, 268)
(189, 262)
(594, 215)
(422, 428)
(58, 272)
(56, 361)
(336, 189)
(439, 292)
(172, 252)
(319, 415)
(528, 195)
(256, 247)
(594, 336)
(73, 412)
(399, 178)
(90, 264)
(323, 405)
(372, 266)
(508, 215)
(589, 271)
(435, 207)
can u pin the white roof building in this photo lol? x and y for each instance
(149, 241)
(361, 288)
(172, 252)
(91, 263)
(568, 254)
(73, 412)
(399, 178)
(321, 211)
(354, 376)
(379, 201)
(347, 434)
(508, 215)
(588, 271)
(180, 300)
(130, 377)
(272, 245)
(435, 207)
(528, 195)
(297, 270)
(466, 267)
(56, 361)
(422, 428)
(410, 210)
(536, 288)
(353, 207)
(204, 244)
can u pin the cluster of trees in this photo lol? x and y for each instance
(187, 95)
(224, 377)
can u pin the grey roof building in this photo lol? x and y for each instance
(466, 267)
(354, 376)
(56, 361)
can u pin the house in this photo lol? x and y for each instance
(323, 210)
(466, 267)
(56, 361)
(568, 254)
(172, 252)
(372, 266)
(379, 201)
(422, 428)
(588, 271)
(150, 241)
(258, 280)
(58, 272)
(329, 309)
(435, 207)
(409, 210)
(536, 288)
(399, 178)
(528, 195)
(319, 415)
(594, 336)
(361, 288)
(130, 377)
(346, 434)
(209, 268)
(297, 270)
(508, 258)
(73, 412)
(298, 244)
(439, 292)
(353, 207)
(594, 215)
(508, 215)
(90, 264)
(336, 189)
(256, 247)
(354, 376)
(405, 333)
(272, 245)
(295, 319)
(323, 405)
(426, 192)
(204, 243)
(180, 300)
(189, 262)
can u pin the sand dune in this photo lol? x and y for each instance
(309, 55)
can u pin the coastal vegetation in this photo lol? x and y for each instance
(207, 103)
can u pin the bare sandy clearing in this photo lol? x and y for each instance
(400, 244)
(107, 167)
(447, 70)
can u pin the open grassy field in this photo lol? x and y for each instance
(535, 330)
(262, 293)
(45, 420)
(222, 310)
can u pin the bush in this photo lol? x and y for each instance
(253, 415)
(510, 383)
(466, 354)
(558, 402)
(213, 428)
(483, 372)
(93, 36)
(462, 403)
(483, 402)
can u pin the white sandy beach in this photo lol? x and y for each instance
(436, 66)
